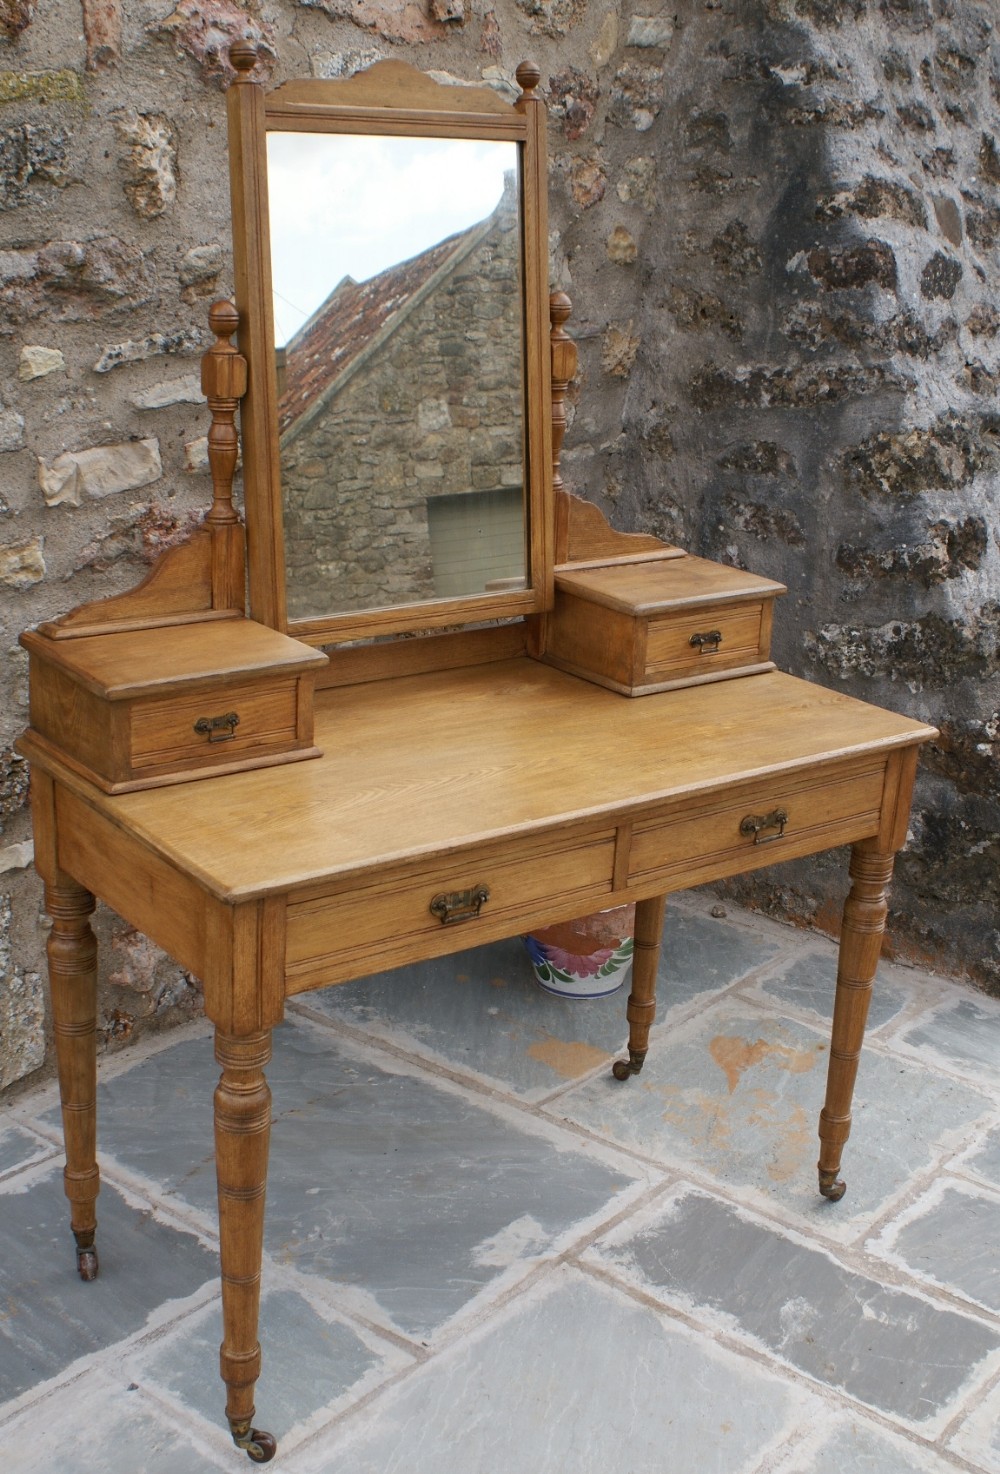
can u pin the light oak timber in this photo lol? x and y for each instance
(128, 709)
(583, 535)
(393, 90)
(423, 765)
(356, 664)
(72, 959)
(641, 1008)
(644, 626)
(177, 589)
(252, 281)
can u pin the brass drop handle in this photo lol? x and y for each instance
(756, 824)
(707, 643)
(452, 906)
(218, 729)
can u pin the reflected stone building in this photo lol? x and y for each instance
(401, 429)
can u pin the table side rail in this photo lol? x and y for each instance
(145, 890)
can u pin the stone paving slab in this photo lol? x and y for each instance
(483, 1011)
(979, 1437)
(93, 1428)
(983, 1159)
(19, 1148)
(799, 1304)
(51, 1317)
(806, 983)
(736, 1095)
(852, 1446)
(580, 1378)
(312, 1363)
(962, 1033)
(411, 1195)
(950, 1236)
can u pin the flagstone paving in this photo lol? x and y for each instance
(485, 1256)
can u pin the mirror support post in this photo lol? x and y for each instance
(224, 383)
(245, 108)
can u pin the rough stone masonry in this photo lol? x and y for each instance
(780, 223)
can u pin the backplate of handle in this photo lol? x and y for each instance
(218, 729)
(759, 824)
(707, 642)
(452, 906)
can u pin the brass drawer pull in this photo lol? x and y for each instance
(756, 824)
(454, 906)
(707, 643)
(218, 729)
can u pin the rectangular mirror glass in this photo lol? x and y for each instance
(399, 357)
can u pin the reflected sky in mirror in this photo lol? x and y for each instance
(355, 209)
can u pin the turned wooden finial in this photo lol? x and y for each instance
(243, 57)
(528, 76)
(564, 360)
(223, 383)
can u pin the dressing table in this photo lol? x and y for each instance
(475, 710)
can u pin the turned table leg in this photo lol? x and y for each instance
(641, 1008)
(72, 954)
(860, 945)
(242, 1131)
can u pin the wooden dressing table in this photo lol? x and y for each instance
(467, 789)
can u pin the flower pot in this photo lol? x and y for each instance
(586, 958)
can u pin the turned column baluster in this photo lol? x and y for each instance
(224, 383)
(72, 955)
(641, 1008)
(865, 912)
(242, 1132)
(564, 361)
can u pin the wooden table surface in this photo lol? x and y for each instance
(426, 764)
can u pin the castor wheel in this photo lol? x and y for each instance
(259, 1446)
(86, 1260)
(831, 1186)
(86, 1263)
(624, 1069)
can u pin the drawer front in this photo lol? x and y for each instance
(669, 648)
(340, 935)
(750, 833)
(193, 728)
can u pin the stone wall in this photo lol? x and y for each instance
(780, 223)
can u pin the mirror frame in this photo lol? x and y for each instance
(419, 107)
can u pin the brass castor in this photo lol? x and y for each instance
(831, 1186)
(623, 1069)
(86, 1257)
(259, 1446)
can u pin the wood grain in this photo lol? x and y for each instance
(428, 764)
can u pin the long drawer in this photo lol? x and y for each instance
(770, 821)
(339, 933)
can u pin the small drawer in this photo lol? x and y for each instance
(772, 821)
(712, 639)
(645, 627)
(137, 709)
(336, 935)
(200, 727)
